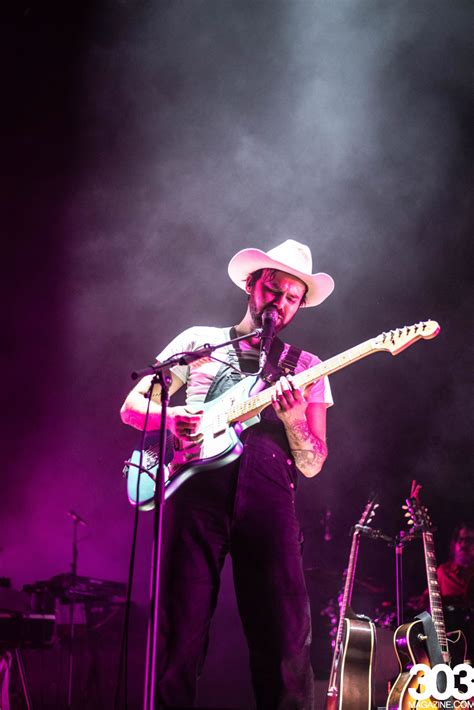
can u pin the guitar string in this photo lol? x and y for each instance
(436, 608)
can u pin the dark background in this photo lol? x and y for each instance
(144, 144)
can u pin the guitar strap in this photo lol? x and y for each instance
(433, 648)
(226, 376)
(275, 367)
(432, 644)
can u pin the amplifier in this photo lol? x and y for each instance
(77, 588)
(26, 630)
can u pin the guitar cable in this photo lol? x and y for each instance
(123, 657)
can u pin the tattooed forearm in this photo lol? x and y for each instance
(308, 460)
(309, 451)
(302, 432)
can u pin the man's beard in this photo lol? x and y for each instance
(255, 314)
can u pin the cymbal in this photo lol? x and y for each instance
(323, 574)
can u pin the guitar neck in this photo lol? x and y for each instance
(436, 605)
(261, 400)
(346, 600)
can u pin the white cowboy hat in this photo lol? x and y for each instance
(291, 257)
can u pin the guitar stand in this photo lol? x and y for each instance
(400, 541)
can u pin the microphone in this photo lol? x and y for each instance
(77, 518)
(269, 319)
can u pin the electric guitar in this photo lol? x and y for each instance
(423, 640)
(238, 408)
(350, 679)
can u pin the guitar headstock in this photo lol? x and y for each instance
(417, 514)
(369, 511)
(397, 340)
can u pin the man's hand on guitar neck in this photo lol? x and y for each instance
(305, 426)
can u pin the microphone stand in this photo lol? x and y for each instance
(160, 375)
(152, 643)
(76, 523)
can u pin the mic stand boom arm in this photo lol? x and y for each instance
(191, 356)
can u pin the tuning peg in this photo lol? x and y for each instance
(410, 522)
(404, 507)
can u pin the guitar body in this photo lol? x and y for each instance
(353, 690)
(220, 445)
(410, 648)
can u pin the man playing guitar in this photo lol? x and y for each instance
(246, 507)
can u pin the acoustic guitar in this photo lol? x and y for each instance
(350, 679)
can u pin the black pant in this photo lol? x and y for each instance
(247, 509)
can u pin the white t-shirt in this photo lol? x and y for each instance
(199, 375)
